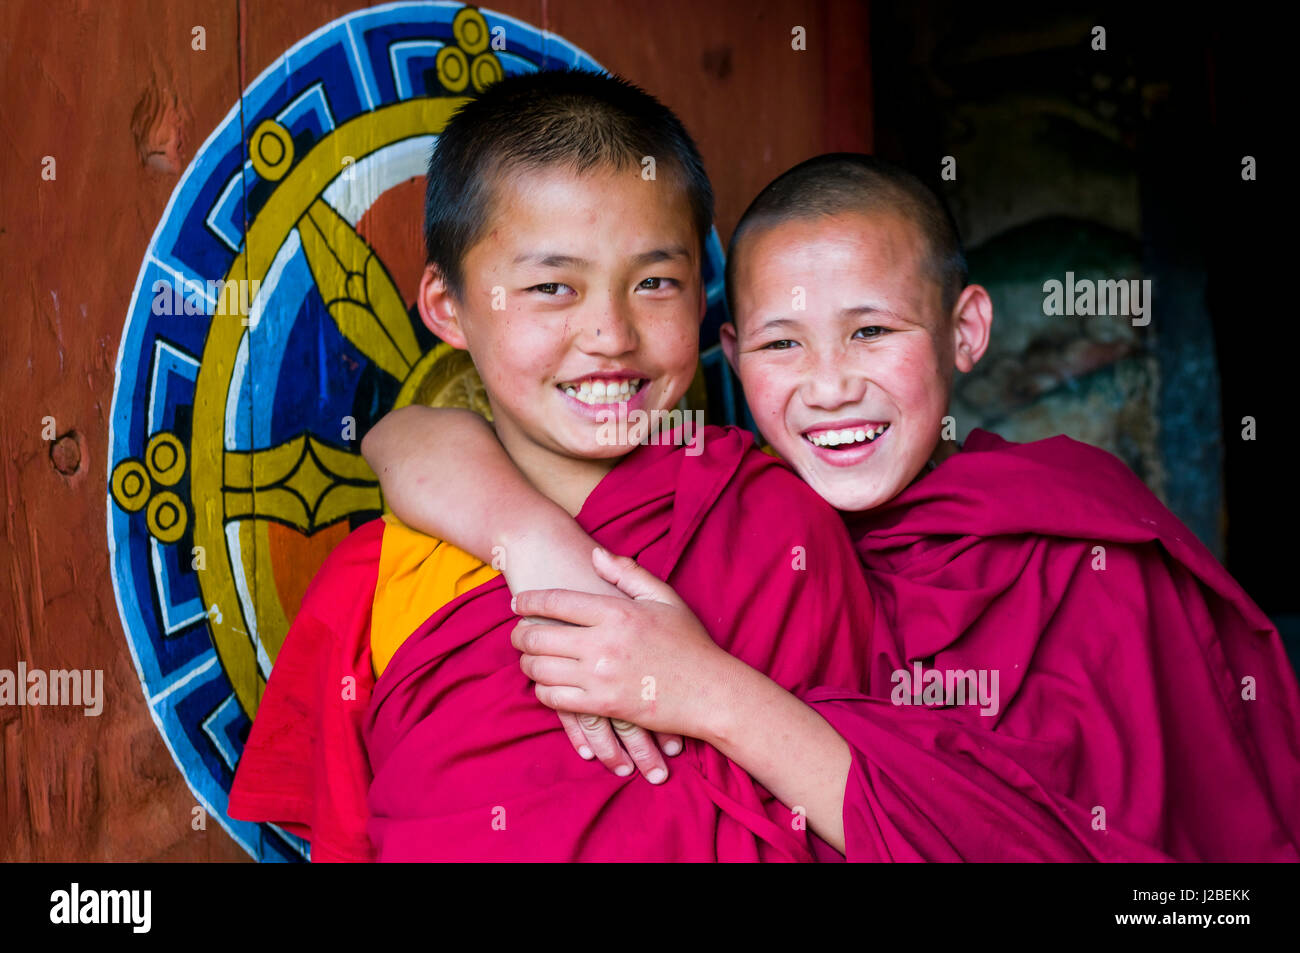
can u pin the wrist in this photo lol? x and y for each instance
(550, 551)
(737, 686)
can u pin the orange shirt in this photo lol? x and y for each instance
(418, 575)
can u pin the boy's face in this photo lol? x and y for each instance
(844, 350)
(583, 294)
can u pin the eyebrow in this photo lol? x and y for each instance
(777, 323)
(661, 254)
(558, 260)
(551, 260)
(866, 309)
(857, 311)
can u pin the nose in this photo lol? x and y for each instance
(830, 383)
(608, 329)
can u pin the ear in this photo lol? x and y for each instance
(730, 343)
(438, 308)
(972, 322)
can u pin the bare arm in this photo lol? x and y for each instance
(477, 499)
(785, 746)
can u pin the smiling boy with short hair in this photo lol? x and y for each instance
(396, 723)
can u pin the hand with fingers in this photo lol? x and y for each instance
(619, 745)
(640, 662)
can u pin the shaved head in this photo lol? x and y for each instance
(845, 182)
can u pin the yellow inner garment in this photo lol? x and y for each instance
(418, 575)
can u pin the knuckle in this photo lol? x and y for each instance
(624, 729)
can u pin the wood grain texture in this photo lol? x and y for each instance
(117, 96)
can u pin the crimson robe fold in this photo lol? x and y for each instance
(1145, 707)
(459, 759)
(304, 765)
(467, 764)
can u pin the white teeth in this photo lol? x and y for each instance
(602, 392)
(836, 438)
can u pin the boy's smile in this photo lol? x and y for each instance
(601, 393)
(845, 351)
(583, 294)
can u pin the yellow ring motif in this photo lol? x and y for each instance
(485, 71)
(453, 68)
(470, 30)
(166, 517)
(131, 485)
(270, 149)
(165, 458)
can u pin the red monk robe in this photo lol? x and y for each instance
(459, 759)
(1120, 689)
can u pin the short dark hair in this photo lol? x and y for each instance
(574, 118)
(840, 182)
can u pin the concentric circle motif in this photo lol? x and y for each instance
(271, 324)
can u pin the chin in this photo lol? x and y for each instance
(856, 502)
(591, 449)
(848, 491)
(849, 499)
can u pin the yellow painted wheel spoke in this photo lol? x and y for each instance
(358, 291)
(303, 483)
(249, 488)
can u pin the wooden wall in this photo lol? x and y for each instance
(117, 96)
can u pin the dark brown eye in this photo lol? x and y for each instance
(550, 288)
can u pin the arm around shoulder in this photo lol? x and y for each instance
(443, 472)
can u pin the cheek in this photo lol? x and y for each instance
(521, 349)
(767, 388)
(682, 353)
(913, 375)
(674, 339)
